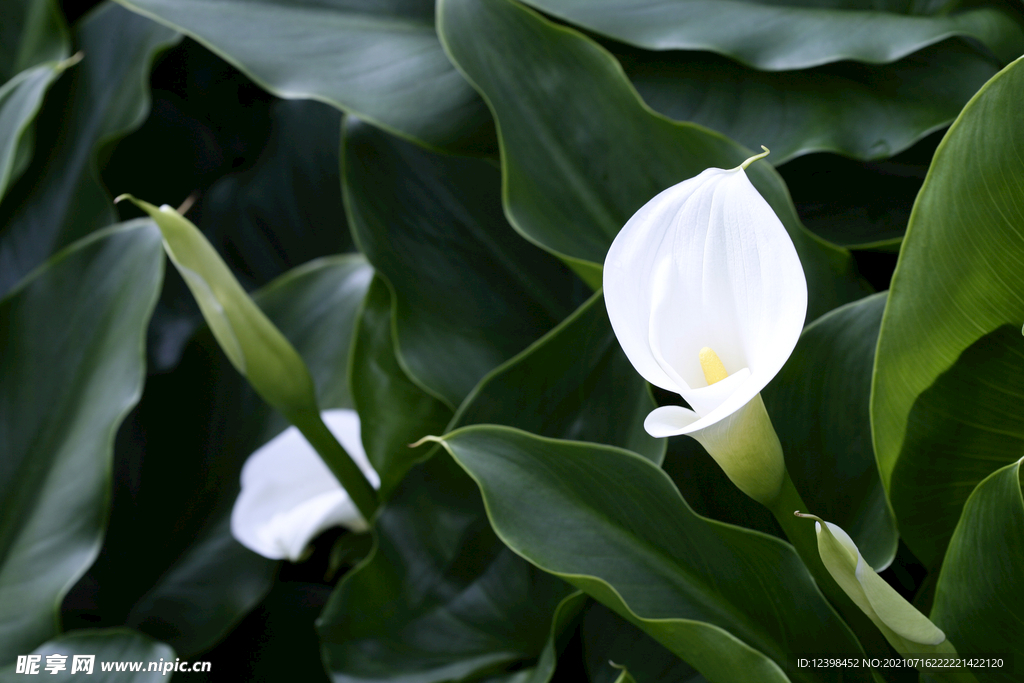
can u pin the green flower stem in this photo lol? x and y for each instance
(801, 534)
(339, 461)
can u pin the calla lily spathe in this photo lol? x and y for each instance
(289, 495)
(706, 265)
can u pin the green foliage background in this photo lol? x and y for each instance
(406, 206)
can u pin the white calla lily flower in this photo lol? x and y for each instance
(707, 297)
(289, 496)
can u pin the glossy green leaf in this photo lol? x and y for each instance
(820, 406)
(575, 172)
(71, 367)
(562, 626)
(255, 346)
(440, 598)
(777, 36)
(609, 640)
(112, 647)
(31, 33)
(20, 100)
(393, 411)
(469, 291)
(861, 111)
(625, 536)
(60, 199)
(979, 600)
(575, 382)
(950, 354)
(192, 587)
(494, 609)
(33, 45)
(379, 61)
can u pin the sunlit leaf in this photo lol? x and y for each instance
(979, 601)
(950, 353)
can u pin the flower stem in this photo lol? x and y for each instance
(801, 534)
(339, 462)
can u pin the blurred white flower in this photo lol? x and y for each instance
(707, 297)
(289, 495)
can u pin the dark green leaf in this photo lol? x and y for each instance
(59, 199)
(794, 34)
(979, 601)
(286, 209)
(820, 407)
(31, 33)
(469, 292)
(625, 536)
(610, 640)
(574, 383)
(379, 61)
(110, 646)
(20, 100)
(861, 111)
(33, 45)
(950, 354)
(393, 412)
(474, 606)
(440, 598)
(575, 172)
(71, 367)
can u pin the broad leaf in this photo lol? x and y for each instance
(609, 641)
(625, 536)
(574, 173)
(979, 600)
(59, 199)
(393, 411)
(71, 367)
(469, 291)
(775, 35)
(31, 33)
(575, 383)
(379, 61)
(820, 407)
(120, 650)
(33, 45)
(20, 100)
(861, 111)
(198, 582)
(440, 598)
(448, 599)
(950, 355)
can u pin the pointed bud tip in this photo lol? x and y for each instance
(434, 439)
(756, 157)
